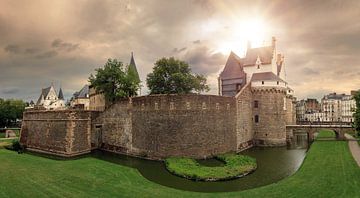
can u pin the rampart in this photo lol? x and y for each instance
(63, 132)
(160, 126)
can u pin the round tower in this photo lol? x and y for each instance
(269, 115)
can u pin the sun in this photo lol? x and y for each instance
(252, 30)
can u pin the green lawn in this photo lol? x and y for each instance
(326, 134)
(235, 166)
(328, 171)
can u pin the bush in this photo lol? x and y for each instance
(16, 146)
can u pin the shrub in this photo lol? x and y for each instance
(16, 146)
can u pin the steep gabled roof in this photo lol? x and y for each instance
(264, 53)
(44, 93)
(61, 95)
(266, 76)
(233, 68)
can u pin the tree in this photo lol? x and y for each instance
(115, 81)
(172, 76)
(357, 112)
(10, 111)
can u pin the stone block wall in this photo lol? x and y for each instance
(244, 118)
(196, 126)
(160, 126)
(62, 132)
(290, 110)
(270, 130)
(112, 130)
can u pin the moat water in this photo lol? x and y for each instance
(274, 164)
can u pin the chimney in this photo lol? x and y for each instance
(273, 41)
(248, 44)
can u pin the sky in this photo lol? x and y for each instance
(63, 41)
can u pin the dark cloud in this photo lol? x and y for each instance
(10, 91)
(47, 54)
(203, 61)
(61, 45)
(309, 71)
(14, 49)
(31, 50)
(176, 50)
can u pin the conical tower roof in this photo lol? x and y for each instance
(132, 67)
(61, 95)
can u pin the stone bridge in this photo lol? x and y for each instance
(311, 129)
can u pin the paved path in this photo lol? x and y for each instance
(354, 148)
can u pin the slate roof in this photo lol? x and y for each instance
(233, 68)
(265, 76)
(83, 93)
(44, 93)
(132, 67)
(61, 95)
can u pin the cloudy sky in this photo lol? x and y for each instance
(62, 42)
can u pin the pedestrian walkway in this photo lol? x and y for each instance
(354, 148)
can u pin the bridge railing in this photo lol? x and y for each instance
(323, 123)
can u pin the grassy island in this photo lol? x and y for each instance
(235, 166)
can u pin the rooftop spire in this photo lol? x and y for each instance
(132, 67)
(61, 95)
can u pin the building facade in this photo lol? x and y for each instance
(81, 99)
(333, 108)
(258, 80)
(50, 100)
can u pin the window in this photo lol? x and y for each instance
(262, 82)
(258, 66)
(256, 118)
(256, 104)
(277, 82)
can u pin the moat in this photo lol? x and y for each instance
(274, 164)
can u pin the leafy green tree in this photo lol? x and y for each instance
(10, 111)
(172, 76)
(115, 81)
(357, 112)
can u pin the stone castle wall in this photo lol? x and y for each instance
(112, 130)
(160, 126)
(270, 130)
(290, 110)
(183, 125)
(244, 118)
(62, 132)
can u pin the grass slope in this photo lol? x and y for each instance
(326, 134)
(328, 171)
(235, 166)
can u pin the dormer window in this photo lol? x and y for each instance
(258, 66)
(277, 82)
(262, 82)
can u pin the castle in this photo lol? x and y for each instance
(48, 99)
(254, 108)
